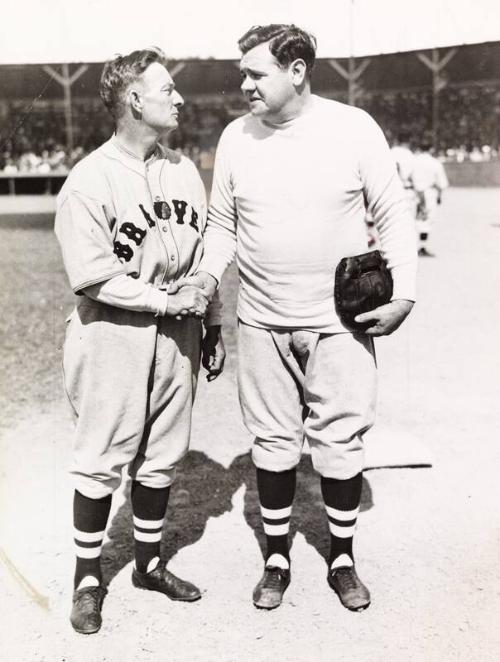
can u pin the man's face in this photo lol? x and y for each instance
(160, 100)
(267, 87)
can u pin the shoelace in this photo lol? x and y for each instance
(274, 577)
(346, 577)
(92, 597)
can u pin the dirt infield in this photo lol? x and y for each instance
(428, 538)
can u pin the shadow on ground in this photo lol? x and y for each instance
(204, 489)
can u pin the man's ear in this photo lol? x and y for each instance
(135, 101)
(298, 70)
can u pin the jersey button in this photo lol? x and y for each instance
(172, 258)
(164, 228)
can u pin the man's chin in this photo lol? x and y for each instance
(257, 109)
(171, 126)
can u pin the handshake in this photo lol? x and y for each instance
(190, 296)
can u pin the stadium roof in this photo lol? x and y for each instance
(473, 63)
(32, 31)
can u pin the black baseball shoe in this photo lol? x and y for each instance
(423, 252)
(162, 580)
(268, 593)
(352, 593)
(86, 612)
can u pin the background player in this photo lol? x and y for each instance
(429, 180)
(404, 157)
(129, 221)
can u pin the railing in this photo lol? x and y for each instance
(31, 183)
(468, 173)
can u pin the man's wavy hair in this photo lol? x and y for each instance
(123, 70)
(286, 42)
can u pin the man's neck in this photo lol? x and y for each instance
(300, 105)
(137, 142)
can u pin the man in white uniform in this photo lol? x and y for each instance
(403, 156)
(428, 178)
(290, 183)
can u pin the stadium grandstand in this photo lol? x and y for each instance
(51, 115)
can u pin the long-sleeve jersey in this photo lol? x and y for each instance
(127, 228)
(290, 201)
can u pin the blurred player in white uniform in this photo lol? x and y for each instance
(429, 180)
(404, 158)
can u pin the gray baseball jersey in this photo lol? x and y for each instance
(130, 374)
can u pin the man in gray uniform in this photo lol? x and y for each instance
(129, 221)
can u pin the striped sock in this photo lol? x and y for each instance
(90, 517)
(148, 506)
(342, 499)
(276, 493)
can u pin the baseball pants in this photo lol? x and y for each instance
(424, 226)
(131, 379)
(297, 384)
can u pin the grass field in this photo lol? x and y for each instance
(35, 300)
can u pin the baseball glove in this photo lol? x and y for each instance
(362, 283)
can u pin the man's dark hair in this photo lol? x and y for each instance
(425, 145)
(286, 42)
(123, 70)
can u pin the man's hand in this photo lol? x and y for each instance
(213, 352)
(387, 318)
(202, 279)
(189, 301)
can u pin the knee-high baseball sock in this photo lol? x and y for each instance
(342, 499)
(90, 517)
(276, 493)
(148, 506)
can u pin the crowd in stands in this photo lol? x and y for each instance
(469, 119)
(34, 141)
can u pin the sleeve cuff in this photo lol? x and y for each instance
(404, 282)
(158, 300)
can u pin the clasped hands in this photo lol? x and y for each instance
(190, 296)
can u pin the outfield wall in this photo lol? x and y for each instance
(483, 173)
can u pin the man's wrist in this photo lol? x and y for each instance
(213, 279)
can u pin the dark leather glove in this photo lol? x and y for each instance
(362, 283)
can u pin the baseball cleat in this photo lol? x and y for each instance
(162, 580)
(86, 612)
(352, 593)
(268, 593)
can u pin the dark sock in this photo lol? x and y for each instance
(149, 505)
(342, 499)
(90, 517)
(276, 493)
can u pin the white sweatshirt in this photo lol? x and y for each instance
(289, 200)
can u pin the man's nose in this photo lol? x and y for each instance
(247, 84)
(177, 100)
